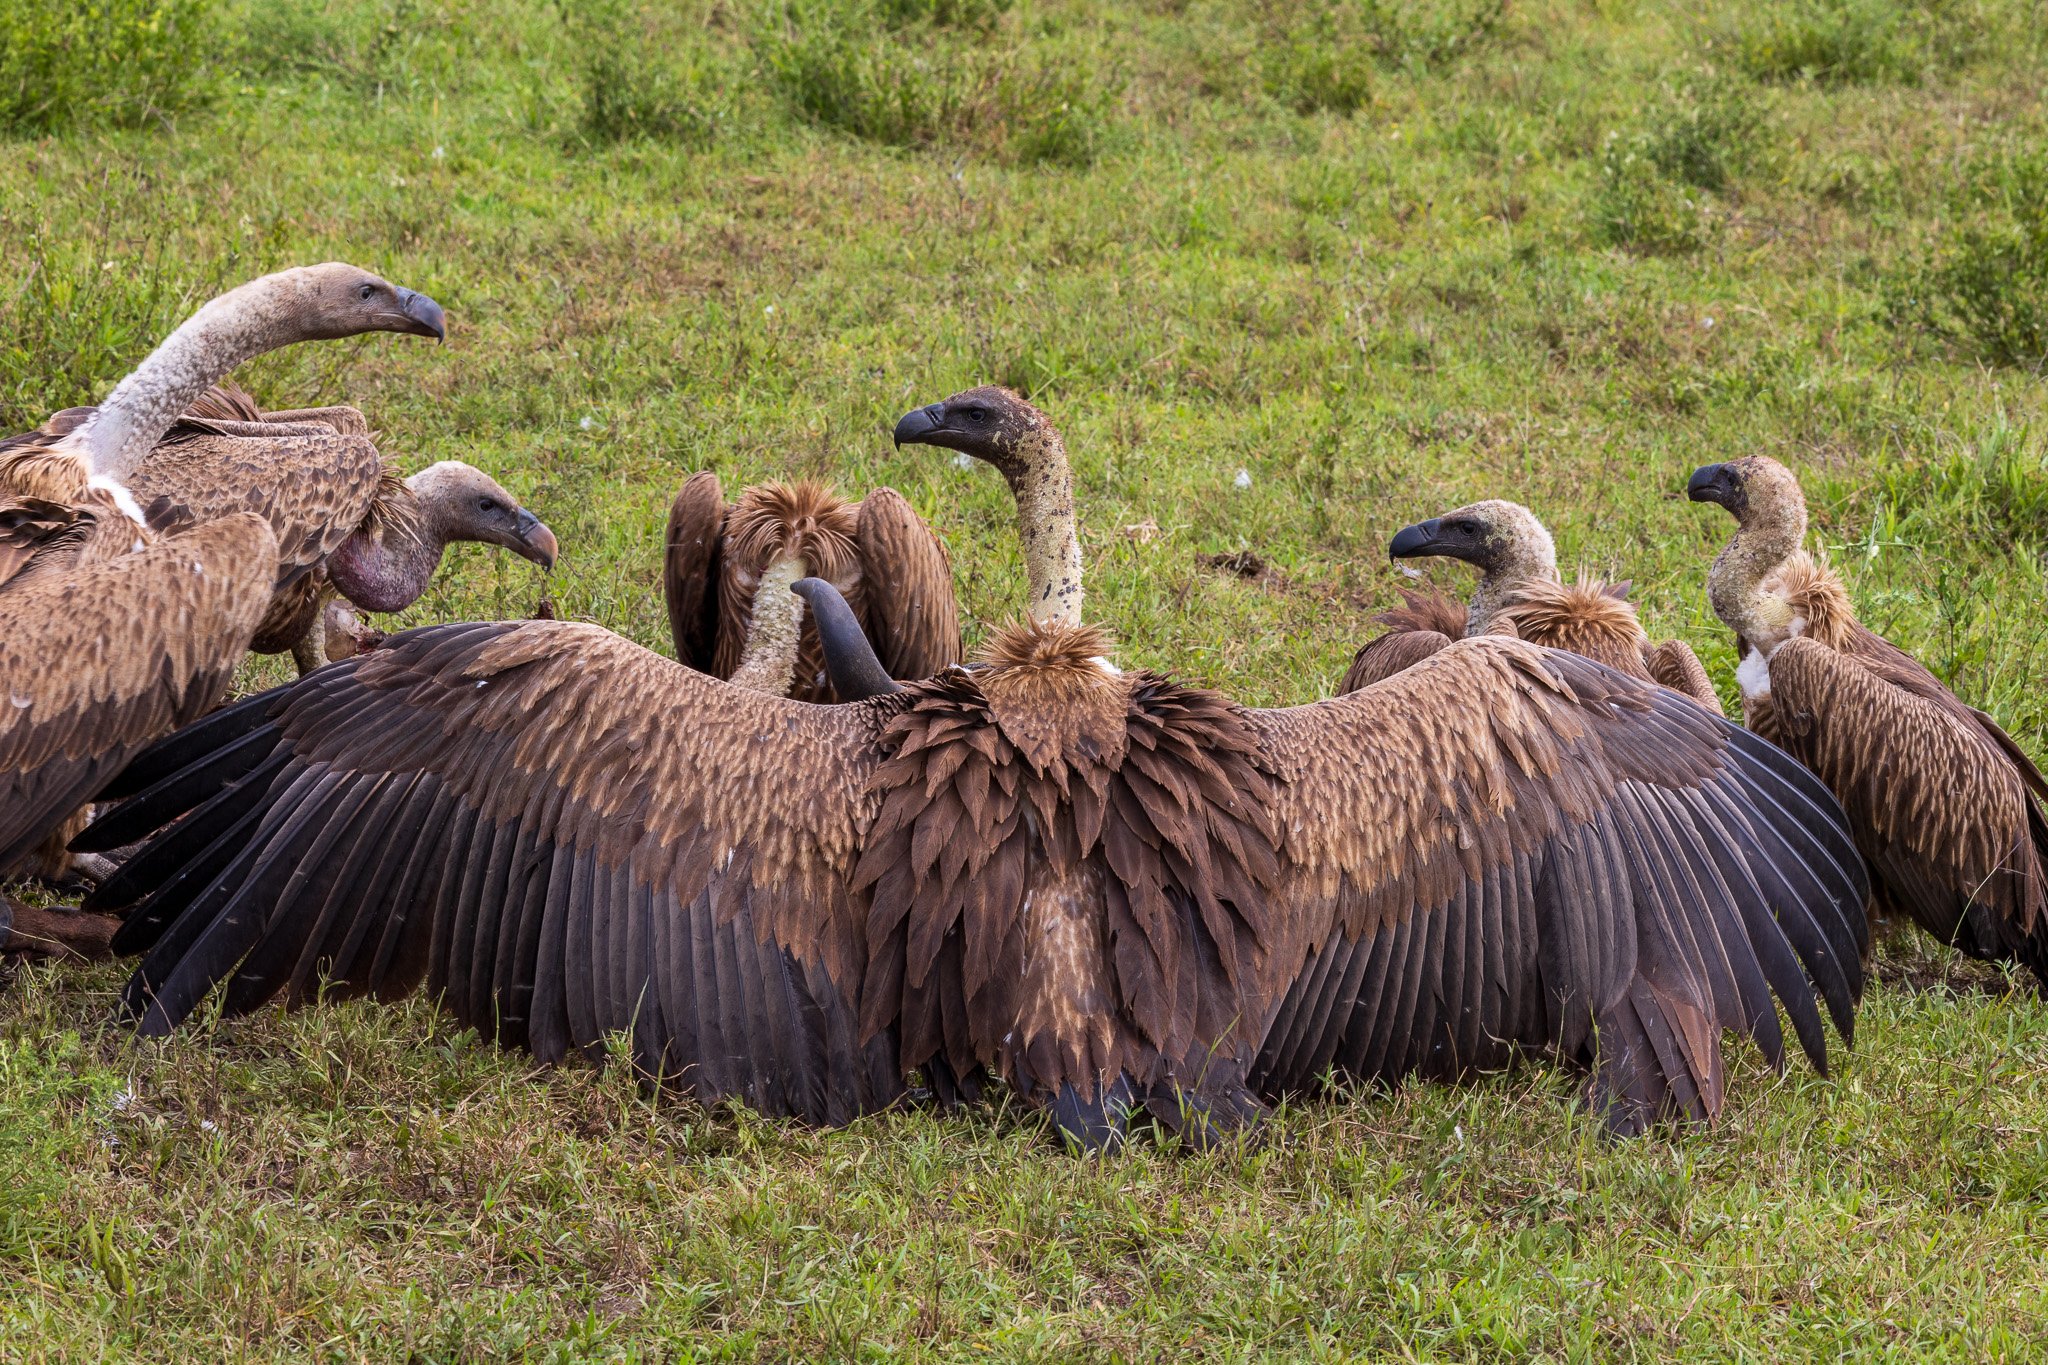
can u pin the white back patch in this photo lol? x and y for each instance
(1753, 676)
(123, 499)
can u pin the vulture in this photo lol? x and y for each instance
(68, 490)
(1119, 894)
(727, 568)
(365, 533)
(1943, 804)
(1520, 594)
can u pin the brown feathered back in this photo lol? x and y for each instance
(1424, 610)
(1022, 800)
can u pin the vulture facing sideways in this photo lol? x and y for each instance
(1112, 891)
(727, 568)
(1943, 804)
(1520, 594)
(353, 525)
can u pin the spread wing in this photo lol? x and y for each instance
(689, 568)
(1675, 666)
(910, 613)
(560, 833)
(1941, 800)
(313, 485)
(1394, 652)
(1510, 847)
(98, 661)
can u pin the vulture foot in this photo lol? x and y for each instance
(1095, 1125)
(1207, 1119)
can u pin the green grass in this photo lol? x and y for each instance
(1563, 252)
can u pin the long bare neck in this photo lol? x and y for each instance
(1504, 580)
(385, 566)
(1043, 484)
(1764, 539)
(774, 630)
(244, 322)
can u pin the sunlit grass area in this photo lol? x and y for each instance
(1288, 277)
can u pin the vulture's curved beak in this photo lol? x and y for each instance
(1714, 483)
(536, 541)
(1416, 542)
(850, 662)
(920, 425)
(423, 316)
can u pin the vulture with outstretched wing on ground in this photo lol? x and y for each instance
(1111, 890)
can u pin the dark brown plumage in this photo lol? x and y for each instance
(878, 553)
(1942, 802)
(1521, 595)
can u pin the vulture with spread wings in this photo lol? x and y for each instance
(1113, 891)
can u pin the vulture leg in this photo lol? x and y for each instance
(1095, 1125)
(309, 651)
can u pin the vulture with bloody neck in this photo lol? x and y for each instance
(727, 570)
(1116, 892)
(1521, 594)
(1946, 807)
(168, 596)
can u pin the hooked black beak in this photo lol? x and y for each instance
(424, 315)
(850, 663)
(920, 424)
(536, 541)
(1417, 541)
(1712, 483)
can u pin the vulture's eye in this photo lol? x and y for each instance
(977, 414)
(487, 504)
(366, 291)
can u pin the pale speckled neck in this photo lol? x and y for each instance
(1043, 484)
(244, 322)
(1765, 538)
(774, 630)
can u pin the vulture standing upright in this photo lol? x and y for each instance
(67, 499)
(727, 569)
(1113, 891)
(1520, 594)
(1943, 804)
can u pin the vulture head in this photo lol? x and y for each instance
(338, 300)
(990, 423)
(1752, 489)
(461, 502)
(1503, 540)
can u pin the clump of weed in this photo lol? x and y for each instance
(72, 63)
(1851, 42)
(648, 72)
(1657, 175)
(1982, 286)
(1320, 56)
(915, 73)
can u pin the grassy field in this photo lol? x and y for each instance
(1288, 276)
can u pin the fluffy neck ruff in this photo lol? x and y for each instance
(771, 521)
(775, 630)
(246, 321)
(1587, 617)
(1767, 539)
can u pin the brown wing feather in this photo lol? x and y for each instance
(689, 568)
(562, 834)
(1505, 847)
(1674, 665)
(315, 491)
(1939, 800)
(911, 616)
(1391, 653)
(98, 662)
